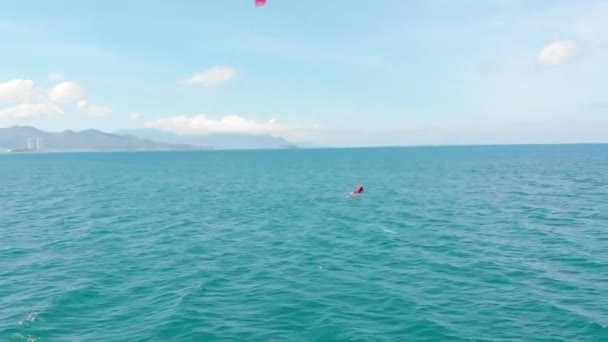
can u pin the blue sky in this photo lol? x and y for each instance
(341, 72)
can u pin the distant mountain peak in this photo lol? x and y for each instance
(94, 132)
(29, 128)
(16, 138)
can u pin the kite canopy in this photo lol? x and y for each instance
(260, 2)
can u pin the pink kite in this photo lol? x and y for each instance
(260, 2)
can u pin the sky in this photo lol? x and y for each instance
(336, 73)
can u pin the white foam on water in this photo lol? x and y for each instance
(29, 319)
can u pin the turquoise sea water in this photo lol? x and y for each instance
(446, 244)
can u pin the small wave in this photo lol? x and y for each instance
(29, 319)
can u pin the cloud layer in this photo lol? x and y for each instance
(28, 101)
(93, 110)
(202, 124)
(17, 91)
(28, 110)
(66, 92)
(212, 77)
(135, 116)
(557, 53)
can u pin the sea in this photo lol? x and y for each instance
(468, 243)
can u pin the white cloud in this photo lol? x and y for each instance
(28, 111)
(211, 77)
(66, 92)
(557, 53)
(93, 110)
(17, 91)
(30, 101)
(202, 124)
(135, 116)
(56, 77)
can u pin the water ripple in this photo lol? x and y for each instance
(447, 244)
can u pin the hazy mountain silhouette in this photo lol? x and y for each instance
(16, 137)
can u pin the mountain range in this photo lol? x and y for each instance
(16, 138)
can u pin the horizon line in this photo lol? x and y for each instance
(330, 146)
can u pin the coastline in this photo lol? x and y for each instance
(10, 152)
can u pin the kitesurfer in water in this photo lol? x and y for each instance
(359, 190)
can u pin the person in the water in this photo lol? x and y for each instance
(359, 190)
